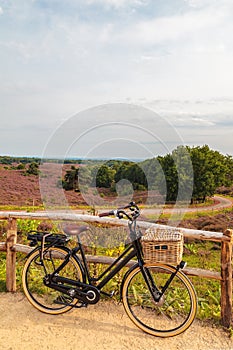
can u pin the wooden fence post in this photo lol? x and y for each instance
(11, 255)
(226, 281)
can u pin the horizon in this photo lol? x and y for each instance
(100, 159)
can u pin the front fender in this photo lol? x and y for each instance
(125, 276)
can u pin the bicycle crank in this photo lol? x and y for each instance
(89, 294)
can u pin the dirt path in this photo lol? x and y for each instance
(100, 327)
(219, 203)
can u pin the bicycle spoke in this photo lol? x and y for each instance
(172, 314)
(44, 298)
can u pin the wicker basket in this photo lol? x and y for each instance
(162, 245)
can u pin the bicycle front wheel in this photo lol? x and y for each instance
(43, 298)
(175, 311)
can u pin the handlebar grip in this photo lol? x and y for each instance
(111, 212)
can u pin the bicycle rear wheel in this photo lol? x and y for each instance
(43, 298)
(173, 314)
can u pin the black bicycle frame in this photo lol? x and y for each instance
(129, 253)
(133, 250)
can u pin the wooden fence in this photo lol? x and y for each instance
(11, 247)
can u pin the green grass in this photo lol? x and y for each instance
(205, 255)
(21, 208)
(2, 272)
(30, 208)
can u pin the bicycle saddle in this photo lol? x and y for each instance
(74, 230)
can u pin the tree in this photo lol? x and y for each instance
(134, 173)
(33, 169)
(105, 176)
(190, 173)
(210, 170)
(70, 181)
(229, 172)
(170, 172)
(184, 170)
(21, 166)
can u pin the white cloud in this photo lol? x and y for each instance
(1, 10)
(209, 115)
(200, 31)
(207, 3)
(171, 28)
(118, 3)
(56, 62)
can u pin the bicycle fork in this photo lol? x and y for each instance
(157, 294)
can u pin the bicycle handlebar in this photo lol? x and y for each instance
(120, 212)
(108, 213)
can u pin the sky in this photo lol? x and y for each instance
(61, 58)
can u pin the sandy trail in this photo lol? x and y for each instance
(99, 327)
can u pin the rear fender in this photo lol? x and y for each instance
(31, 252)
(39, 248)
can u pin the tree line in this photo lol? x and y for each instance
(187, 173)
(9, 160)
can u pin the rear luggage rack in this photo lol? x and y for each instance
(46, 237)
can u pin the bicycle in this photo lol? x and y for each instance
(158, 298)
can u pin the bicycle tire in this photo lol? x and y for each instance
(173, 314)
(43, 298)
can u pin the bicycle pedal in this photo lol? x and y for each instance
(80, 305)
(62, 300)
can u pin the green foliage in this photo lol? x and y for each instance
(171, 177)
(105, 176)
(21, 166)
(8, 160)
(211, 170)
(70, 181)
(33, 169)
(191, 247)
(25, 226)
(3, 228)
(185, 174)
(132, 172)
(2, 272)
(76, 177)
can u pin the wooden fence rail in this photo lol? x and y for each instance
(11, 247)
